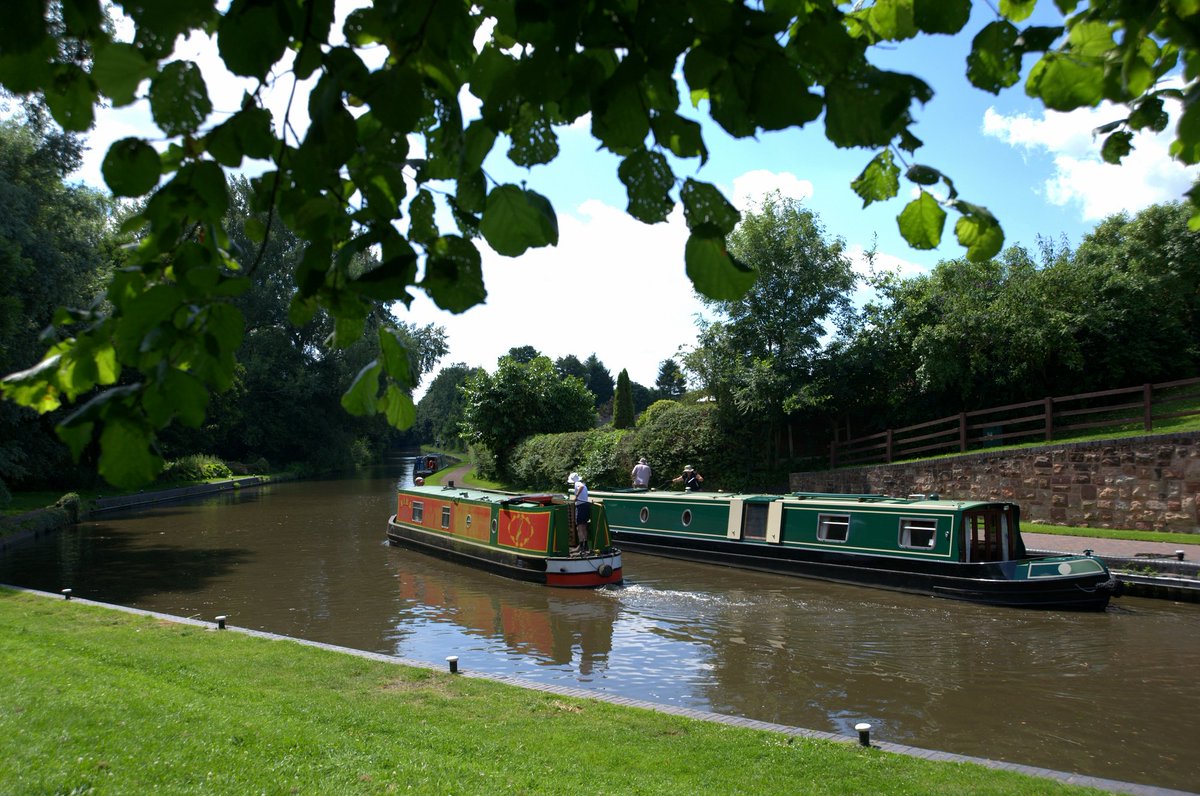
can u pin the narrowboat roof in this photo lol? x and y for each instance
(446, 492)
(846, 501)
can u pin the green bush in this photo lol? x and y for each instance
(196, 467)
(5, 495)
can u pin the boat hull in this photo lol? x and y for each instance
(873, 543)
(588, 571)
(1089, 594)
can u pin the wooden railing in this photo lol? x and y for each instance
(1046, 419)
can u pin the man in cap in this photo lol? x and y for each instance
(641, 474)
(690, 478)
(583, 511)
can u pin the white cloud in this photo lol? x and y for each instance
(751, 187)
(612, 286)
(1080, 177)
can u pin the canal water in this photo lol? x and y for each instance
(1113, 694)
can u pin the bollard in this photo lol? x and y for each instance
(66, 593)
(1179, 554)
(864, 733)
(221, 622)
(453, 661)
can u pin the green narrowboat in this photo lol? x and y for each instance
(526, 537)
(962, 550)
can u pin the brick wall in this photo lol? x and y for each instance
(1148, 483)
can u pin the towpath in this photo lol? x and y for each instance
(1108, 548)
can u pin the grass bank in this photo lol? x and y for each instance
(100, 701)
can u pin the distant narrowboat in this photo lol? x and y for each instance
(427, 465)
(526, 537)
(962, 550)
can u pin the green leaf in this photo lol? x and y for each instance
(995, 59)
(533, 139)
(979, 231)
(941, 16)
(176, 394)
(1116, 147)
(398, 407)
(453, 274)
(125, 457)
(713, 272)
(1017, 10)
(118, 71)
(516, 220)
(396, 98)
(422, 228)
(923, 175)
(71, 99)
(704, 206)
(131, 168)
(252, 37)
(35, 387)
(890, 20)
(648, 181)
(871, 108)
(390, 279)
(82, 18)
(880, 180)
(619, 119)
(681, 136)
(921, 222)
(395, 357)
(24, 26)
(780, 97)
(179, 98)
(1149, 113)
(360, 398)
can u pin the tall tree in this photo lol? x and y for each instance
(758, 357)
(571, 366)
(598, 380)
(348, 183)
(623, 402)
(671, 383)
(523, 353)
(440, 410)
(56, 250)
(520, 399)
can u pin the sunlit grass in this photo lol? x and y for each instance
(100, 701)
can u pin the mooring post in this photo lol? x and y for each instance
(864, 733)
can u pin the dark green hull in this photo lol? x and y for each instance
(957, 550)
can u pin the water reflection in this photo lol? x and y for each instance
(1111, 694)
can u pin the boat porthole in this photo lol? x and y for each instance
(468, 520)
(644, 514)
(687, 517)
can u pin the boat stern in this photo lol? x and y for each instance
(589, 571)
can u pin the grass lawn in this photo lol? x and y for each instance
(100, 701)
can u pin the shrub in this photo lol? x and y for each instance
(5, 495)
(196, 467)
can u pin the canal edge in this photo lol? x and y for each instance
(1099, 783)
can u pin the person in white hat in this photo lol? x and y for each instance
(583, 512)
(641, 474)
(690, 478)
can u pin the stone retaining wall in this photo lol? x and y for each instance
(1147, 483)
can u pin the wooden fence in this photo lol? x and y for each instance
(1043, 420)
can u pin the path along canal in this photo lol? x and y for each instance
(1113, 694)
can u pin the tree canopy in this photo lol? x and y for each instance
(388, 154)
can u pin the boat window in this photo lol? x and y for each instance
(687, 517)
(833, 527)
(445, 516)
(418, 511)
(644, 514)
(918, 532)
(755, 521)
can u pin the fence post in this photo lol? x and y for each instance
(889, 446)
(1049, 418)
(1147, 415)
(962, 432)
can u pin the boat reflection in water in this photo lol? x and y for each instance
(522, 622)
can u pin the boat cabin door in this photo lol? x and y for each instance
(987, 535)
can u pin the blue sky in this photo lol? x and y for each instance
(617, 288)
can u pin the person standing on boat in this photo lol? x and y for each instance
(690, 478)
(583, 512)
(641, 474)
